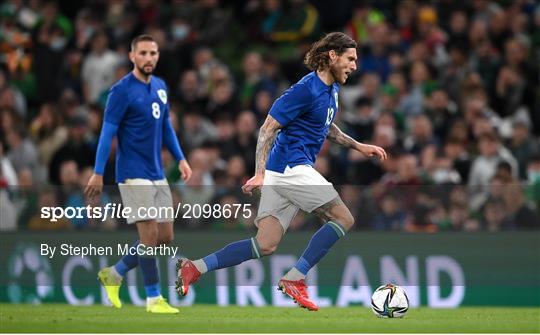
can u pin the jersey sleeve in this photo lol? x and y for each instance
(117, 103)
(291, 104)
(108, 131)
(169, 137)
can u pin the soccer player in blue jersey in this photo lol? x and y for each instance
(137, 113)
(288, 144)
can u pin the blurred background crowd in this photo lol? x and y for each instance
(449, 88)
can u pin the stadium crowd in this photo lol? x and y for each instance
(450, 89)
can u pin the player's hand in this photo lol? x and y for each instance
(95, 186)
(372, 151)
(254, 183)
(185, 169)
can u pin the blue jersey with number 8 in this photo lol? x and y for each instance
(141, 113)
(306, 110)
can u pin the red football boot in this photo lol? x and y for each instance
(297, 290)
(187, 275)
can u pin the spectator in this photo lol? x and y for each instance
(11, 97)
(25, 198)
(375, 56)
(406, 180)
(222, 101)
(360, 124)
(98, 67)
(418, 221)
(494, 216)
(22, 152)
(522, 145)
(363, 19)
(236, 170)
(189, 92)
(69, 180)
(413, 102)
(48, 132)
(252, 66)
(483, 167)
(457, 28)
(8, 175)
(520, 213)
(197, 130)
(391, 215)
(8, 215)
(76, 148)
(455, 151)
(437, 167)
(244, 142)
(533, 182)
(210, 22)
(369, 88)
(441, 111)
(421, 134)
(50, 38)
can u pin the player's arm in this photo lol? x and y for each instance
(337, 136)
(173, 145)
(267, 136)
(114, 112)
(284, 110)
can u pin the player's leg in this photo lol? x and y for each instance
(165, 233)
(338, 220)
(111, 277)
(264, 244)
(135, 193)
(313, 193)
(149, 236)
(155, 233)
(275, 214)
(164, 201)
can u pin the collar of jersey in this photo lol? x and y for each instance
(321, 83)
(149, 85)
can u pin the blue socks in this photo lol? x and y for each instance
(319, 245)
(127, 262)
(148, 268)
(241, 251)
(150, 276)
(233, 254)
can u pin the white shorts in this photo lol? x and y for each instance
(300, 187)
(142, 194)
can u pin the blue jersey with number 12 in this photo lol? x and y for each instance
(141, 112)
(306, 111)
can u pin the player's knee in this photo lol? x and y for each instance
(267, 247)
(346, 219)
(166, 239)
(150, 237)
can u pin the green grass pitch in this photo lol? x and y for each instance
(210, 319)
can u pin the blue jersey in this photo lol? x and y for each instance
(306, 111)
(141, 113)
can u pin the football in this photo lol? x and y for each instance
(389, 301)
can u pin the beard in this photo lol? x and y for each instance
(337, 74)
(145, 72)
